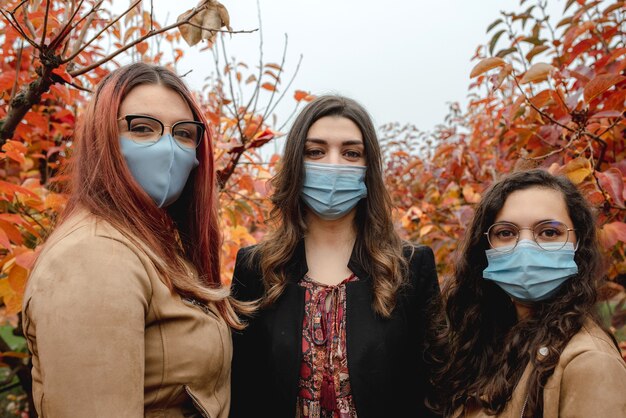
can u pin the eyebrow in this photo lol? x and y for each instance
(324, 142)
(534, 224)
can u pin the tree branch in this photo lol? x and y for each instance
(15, 24)
(45, 24)
(106, 27)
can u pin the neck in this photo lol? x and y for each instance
(523, 311)
(336, 232)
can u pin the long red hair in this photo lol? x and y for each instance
(101, 182)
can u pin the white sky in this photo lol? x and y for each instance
(402, 59)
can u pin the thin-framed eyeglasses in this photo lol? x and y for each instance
(549, 235)
(148, 130)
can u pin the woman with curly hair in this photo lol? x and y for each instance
(522, 337)
(341, 327)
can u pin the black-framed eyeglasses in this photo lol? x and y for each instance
(549, 235)
(146, 130)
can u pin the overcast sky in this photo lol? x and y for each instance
(403, 59)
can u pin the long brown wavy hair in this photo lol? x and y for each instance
(487, 348)
(102, 183)
(378, 247)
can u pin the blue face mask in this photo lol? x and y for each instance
(332, 190)
(161, 168)
(528, 273)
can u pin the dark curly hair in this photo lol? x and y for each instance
(486, 347)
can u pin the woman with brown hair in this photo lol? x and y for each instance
(124, 312)
(522, 339)
(343, 300)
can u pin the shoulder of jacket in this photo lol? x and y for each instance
(84, 229)
(590, 338)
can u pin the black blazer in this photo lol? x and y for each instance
(388, 375)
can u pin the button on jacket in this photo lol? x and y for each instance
(388, 375)
(588, 381)
(109, 339)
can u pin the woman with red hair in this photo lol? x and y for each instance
(124, 312)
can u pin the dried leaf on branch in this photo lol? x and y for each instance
(205, 20)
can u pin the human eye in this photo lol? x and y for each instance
(313, 152)
(144, 127)
(353, 154)
(184, 133)
(504, 232)
(550, 231)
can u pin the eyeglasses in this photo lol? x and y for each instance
(148, 130)
(549, 235)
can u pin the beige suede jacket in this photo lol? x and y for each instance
(589, 381)
(109, 339)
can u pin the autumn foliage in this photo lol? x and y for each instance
(546, 93)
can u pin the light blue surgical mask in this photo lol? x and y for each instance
(528, 273)
(333, 190)
(161, 168)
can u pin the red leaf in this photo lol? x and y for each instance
(60, 71)
(612, 182)
(611, 233)
(7, 80)
(600, 84)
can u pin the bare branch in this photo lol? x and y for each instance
(541, 112)
(18, 6)
(257, 89)
(232, 94)
(293, 77)
(195, 25)
(13, 22)
(18, 64)
(556, 151)
(29, 26)
(86, 44)
(45, 24)
(282, 64)
(613, 125)
(81, 36)
(69, 27)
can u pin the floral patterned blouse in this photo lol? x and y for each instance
(324, 387)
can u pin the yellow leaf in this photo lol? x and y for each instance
(486, 65)
(470, 194)
(537, 72)
(577, 170)
(426, 229)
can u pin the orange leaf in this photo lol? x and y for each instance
(300, 95)
(537, 72)
(4, 240)
(142, 47)
(486, 65)
(17, 278)
(611, 233)
(25, 257)
(600, 84)
(269, 86)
